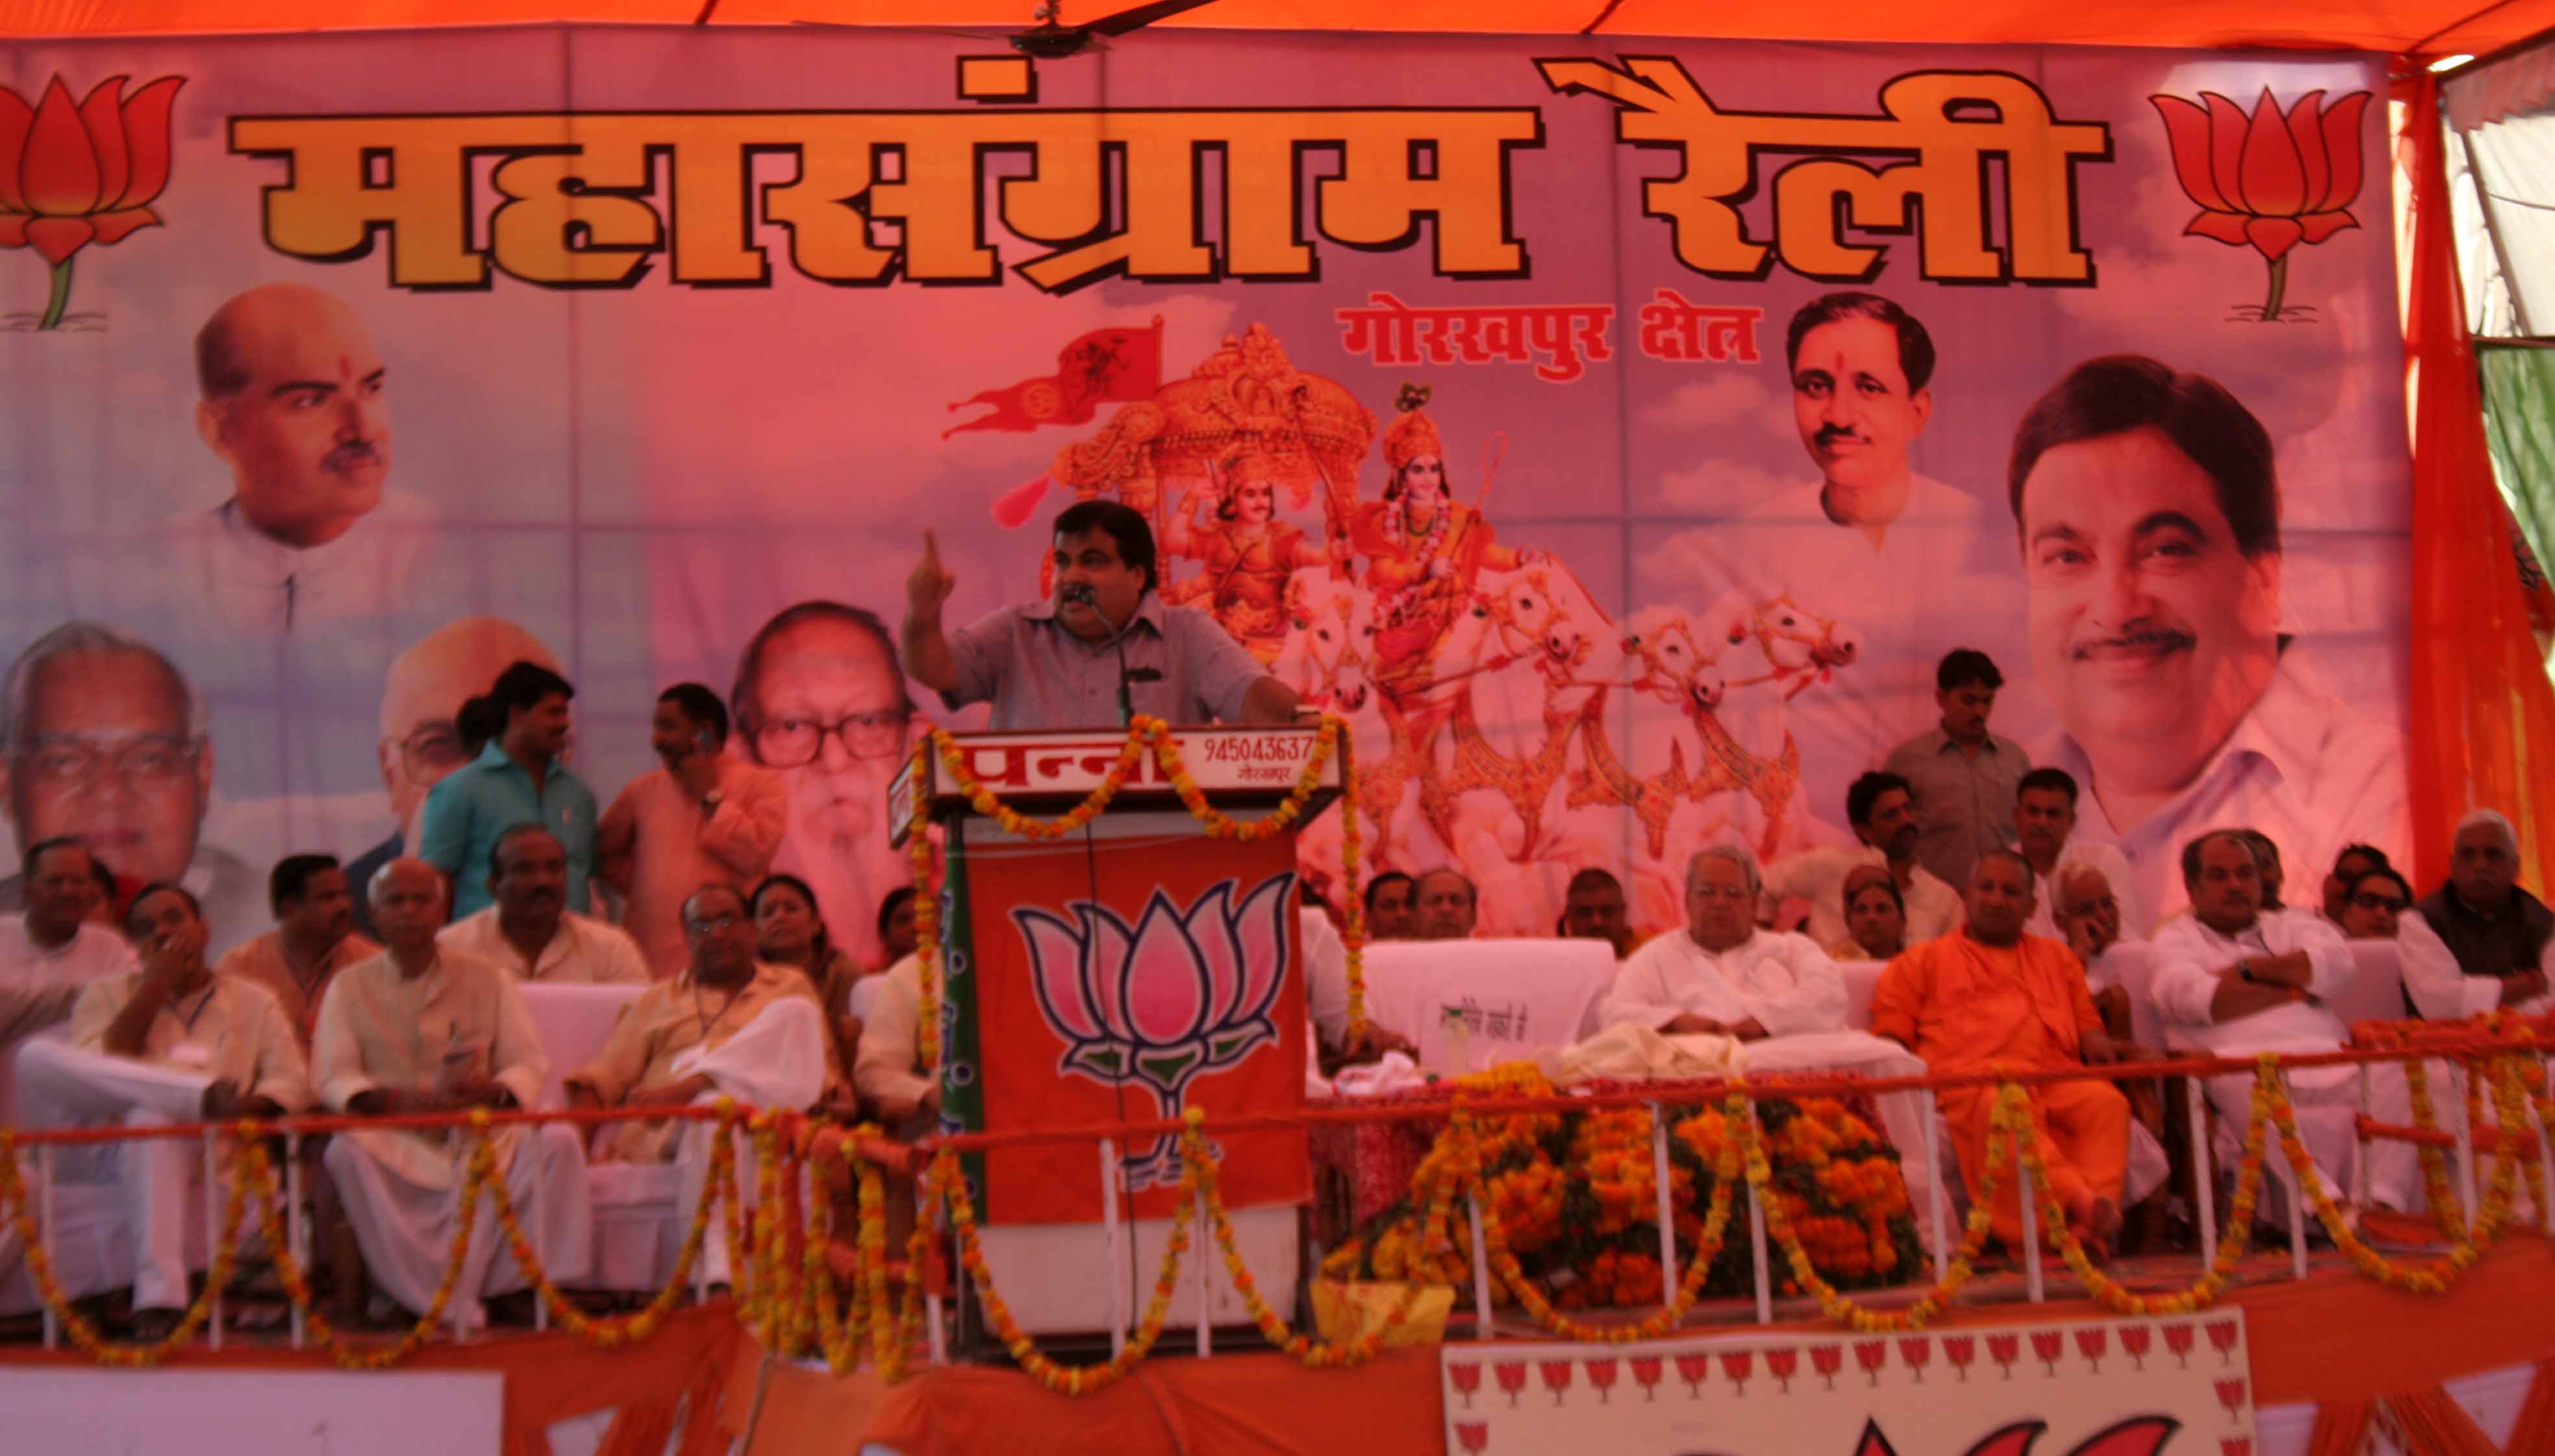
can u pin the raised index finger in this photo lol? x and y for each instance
(931, 545)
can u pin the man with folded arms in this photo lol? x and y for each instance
(1989, 997)
(2236, 980)
(423, 1028)
(170, 1043)
(729, 1026)
(2490, 943)
(531, 932)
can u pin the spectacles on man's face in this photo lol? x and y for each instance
(714, 924)
(2371, 900)
(792, 743)
(75, 761)
(430, 753)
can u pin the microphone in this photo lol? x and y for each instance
(1080, 592)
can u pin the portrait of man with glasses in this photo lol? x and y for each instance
(421, 741)
(102, 739)
(820, 701)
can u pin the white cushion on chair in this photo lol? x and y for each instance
(1516, 996)
(2376, 994)
(1862, 978)
(573, 1022)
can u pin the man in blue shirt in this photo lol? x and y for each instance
(519, 779)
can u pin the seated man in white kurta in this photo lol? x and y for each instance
(172, 1043)
(729, 1026)
(1773, 992)
(419, 1028)
(2236, 980)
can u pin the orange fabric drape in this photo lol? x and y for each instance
(2433, 1424)
(2340, 1427)
(2482, 712)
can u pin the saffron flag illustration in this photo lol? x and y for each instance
(1103, 366)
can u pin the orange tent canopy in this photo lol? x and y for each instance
(2424, 27)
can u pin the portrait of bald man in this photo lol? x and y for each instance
(294, 403)
(420, 741)
(103, 740)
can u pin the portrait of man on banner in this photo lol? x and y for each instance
(2148, 511)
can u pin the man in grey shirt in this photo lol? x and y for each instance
(1058, 663)
(1964, 777)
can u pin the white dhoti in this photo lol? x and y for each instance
(2326, 1101)
(161, 1178)
(402, 1193)
(776, 1060)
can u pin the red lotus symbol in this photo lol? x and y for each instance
(2050, 1345)
(1736, 1365)
(1916, 1350)
(1512, 1376)
(1467, 1379)
(2236, 1445)
(1645, 1374)
(2003, 1349)
(1474, 1435)
(1694, 1369)
(1601, 1374)
(2231, 1394)
(73, 175)
(1781, 1364)
(2134, 1340)
(1872, 1355)
(2269, 182)
(2177, 1338)
(1556, 1376)
(1179, 994)
(2091, 1344)
(1827, 1360)
(1960, 1350)
(2221, 1338)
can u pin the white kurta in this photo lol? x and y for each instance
(2189, 959)
(463, 1016)
(2440, 988)
(37, 987)
(584, 951)
(2116, 871)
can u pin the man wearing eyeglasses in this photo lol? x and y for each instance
(103, 740)
(704, 818)
(729, 1025)
(2494, 941)
(820, 701)
(421, 743)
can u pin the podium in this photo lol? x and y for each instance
(1132, 970)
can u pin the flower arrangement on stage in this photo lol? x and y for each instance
(1573, 1200)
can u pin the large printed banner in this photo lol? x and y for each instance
(2109, 1388)
(1618, 433)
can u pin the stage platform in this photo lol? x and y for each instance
(2334, 1343)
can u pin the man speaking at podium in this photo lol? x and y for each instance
(1103, 648)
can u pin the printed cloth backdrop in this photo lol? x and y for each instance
(652, 353)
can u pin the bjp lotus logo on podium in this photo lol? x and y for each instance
(2272, 182)
(74, 175)
(1181, 994)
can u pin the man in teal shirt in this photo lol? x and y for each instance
(519, 779)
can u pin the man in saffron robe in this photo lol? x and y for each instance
(1989, 997)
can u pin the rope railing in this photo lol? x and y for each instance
(791, 1295)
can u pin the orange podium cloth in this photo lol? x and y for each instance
(1966, 1007)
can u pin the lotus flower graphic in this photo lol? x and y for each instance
(78, 174)
(1180, 993)
(2270, 181)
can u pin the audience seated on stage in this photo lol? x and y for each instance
(2118, 966)
(170, 1043)
(729, 1026)
(1881, 810)
(1389, 912)
(1444, 905)
(531, 932)
(1961, 776)
(703, 818)
(2355, 861)
(422, 1027)
(1876, 916)
(1989, 995)
(1723, 976)
(2266, 864)
(521, 777)
(52, 950)
(2236, 979)
(2044, 820)
(2374, 906)
(1593, 910)
(2502, 938)
(312, 940)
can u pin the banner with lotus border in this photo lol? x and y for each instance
(2179, 1386)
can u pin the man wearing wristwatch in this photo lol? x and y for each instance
(2236, 980)
(704, 818)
